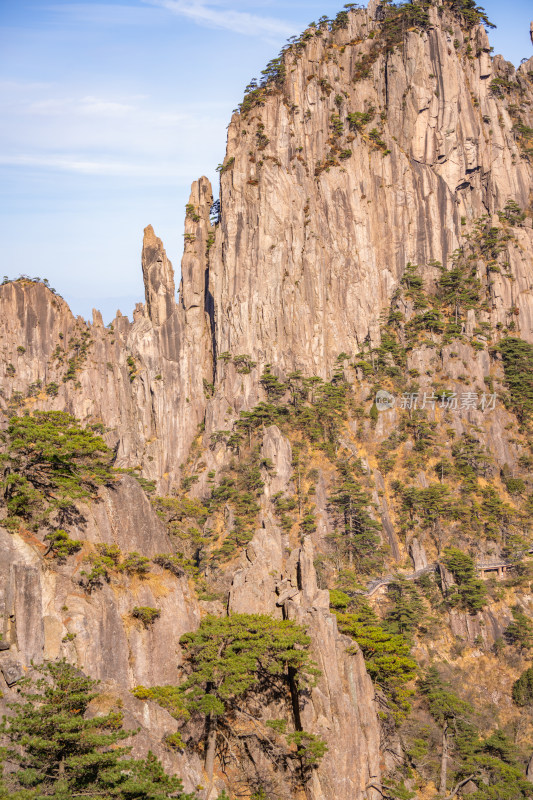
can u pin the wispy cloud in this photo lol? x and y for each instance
(106, 135)
(106, 13)
(213, 15)
(86, 165)
(74, 164)
(86, 106)
(226, 18)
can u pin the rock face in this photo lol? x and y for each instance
(46, 614)
(341, 707)
(325, 221)
(158, 279)
(362, 155)
(317, 224)
(144, 380)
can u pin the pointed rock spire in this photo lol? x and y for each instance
(158, 278)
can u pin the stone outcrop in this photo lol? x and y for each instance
(341, 707)
(158, 279)
(307, 250)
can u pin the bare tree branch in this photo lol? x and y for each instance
(379, 788)
(460, 785)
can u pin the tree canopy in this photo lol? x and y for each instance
(48, 461)
(54, 750)
(232, 656)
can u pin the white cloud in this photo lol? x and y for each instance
(106, 135)
(85, 165)
(41, 99)
(84, 106)
(72, 164)
(22, 86)
(106, 13)
(96, 105)
(196, 10)
(236, 21)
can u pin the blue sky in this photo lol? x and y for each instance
(111, 109)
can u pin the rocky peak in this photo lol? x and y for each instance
(199, 237)
(373, 146)
(158, 278)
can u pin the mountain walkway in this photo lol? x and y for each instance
(500, 566)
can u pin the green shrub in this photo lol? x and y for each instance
(168, 697)
(52, 389)
(339, 600)
(174, 741)
(358, 119)
(135, 564)
(470, 593)
(191, 213)
(515, 485)
(173, 562)
(523, 688)
(107, 558)
(61, 545)
(278, 725)
(146, 614)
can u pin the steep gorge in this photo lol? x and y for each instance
(243, 411)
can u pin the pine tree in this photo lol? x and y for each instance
(273, 387)
(54, 750)
(458, 287)
(520, 631)
(49, 462)
(408, 612)
(356, 532)
(233, 657)
(517, 356)
(523, 688)
(450, 712)
(470, 592)
(387, 655)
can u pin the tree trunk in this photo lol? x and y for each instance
(444, 761)
(211, 745)
(295, 700)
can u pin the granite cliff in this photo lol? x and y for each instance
(374, 233)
